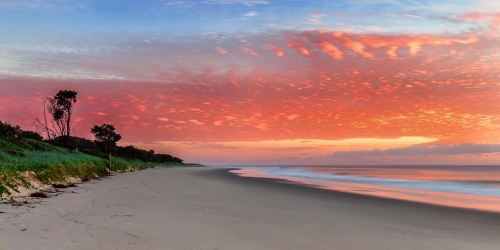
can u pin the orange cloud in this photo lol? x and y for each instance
(355, 46)
(331, 50)
(336, 44)
(392, 52)
(277, 50)
(300, 47)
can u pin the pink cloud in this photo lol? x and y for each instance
(300, 47)
(277, 50)
(492, 19)
(331, 50)
(355, 46)
(249, 51)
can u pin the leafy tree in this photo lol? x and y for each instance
(106, 135)
(63, 109)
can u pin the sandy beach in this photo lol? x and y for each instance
(206, 208)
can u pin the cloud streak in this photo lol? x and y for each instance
(423, 150)
(42, 4)
(244, 2)
(107, 58)
(219, 2)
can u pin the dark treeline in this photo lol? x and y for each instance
(10, 131)
(128, 152)
(87, 146)
(132, 152)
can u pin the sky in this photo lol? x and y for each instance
(241, 82)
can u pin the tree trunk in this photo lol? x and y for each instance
(110, 164)
(45, 117)
(68, 131)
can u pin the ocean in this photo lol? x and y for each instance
(470, 187)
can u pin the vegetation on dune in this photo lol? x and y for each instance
(25, 157)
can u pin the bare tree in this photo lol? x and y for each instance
(42, 126)
(60, 107)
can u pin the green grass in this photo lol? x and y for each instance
(50, 164)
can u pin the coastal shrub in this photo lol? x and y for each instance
(31, 135)
(25, 157)
(7, 130)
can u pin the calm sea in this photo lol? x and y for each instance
(472, 187)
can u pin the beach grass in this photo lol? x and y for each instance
(23, 161)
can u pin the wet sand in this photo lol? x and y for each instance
(204, 208)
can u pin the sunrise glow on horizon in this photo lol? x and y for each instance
(265, 81)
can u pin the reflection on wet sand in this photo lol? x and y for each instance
(468, 201)
(429, 173)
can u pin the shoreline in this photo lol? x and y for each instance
(360, 195)
(208, 208)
